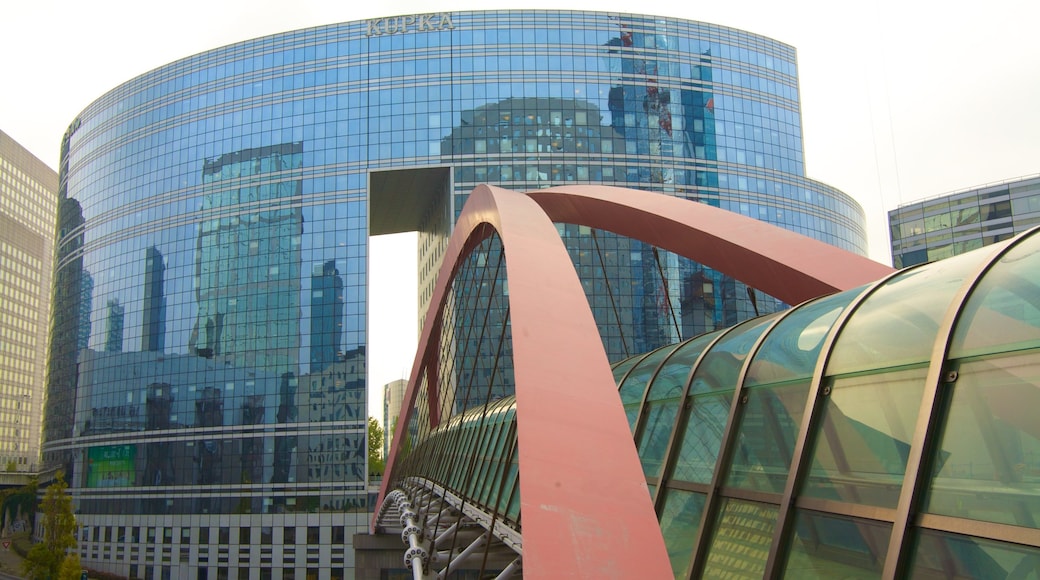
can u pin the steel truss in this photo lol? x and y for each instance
(443, 533)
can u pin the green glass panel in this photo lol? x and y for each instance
(660, 420)
(863, 442)
(720, 368)
(476, 464)
(766, 437)
(702, 437)
(712, 389)
(791, 348)
(836, 547)
(741, 539)
(897, 325)
(635, 385)
(1002, 312)
(988, 463)
(663, 403)
(509, 500)
(621, 368)
(502, 417)
(672, 377)
(942, 555)
(463, 465)
(680, 518)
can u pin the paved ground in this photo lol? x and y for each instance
(10, 561)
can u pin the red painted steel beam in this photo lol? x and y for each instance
(585, 507)
(779, 262)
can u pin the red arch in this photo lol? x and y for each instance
(779, 262)
(585, 512)
(586, 509)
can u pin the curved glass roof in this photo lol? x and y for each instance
(898, 415)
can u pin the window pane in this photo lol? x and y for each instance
(1002, 313)
(861, 448)
(792, 347)
(634, 387)
(712, 389)
(680, 518)
(897, 325)
(740, 543)
(721, 366)
(622, 367)
(663, 403)
(939, 555)
(766, 437)
(988, 466)
(653, 442)
(832, 546)
(702, 437)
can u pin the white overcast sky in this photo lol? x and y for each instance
(901, 99)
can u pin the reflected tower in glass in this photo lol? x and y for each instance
(221, 206)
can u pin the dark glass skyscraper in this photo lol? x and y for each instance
(327, 301)
(153, 333)
(224, 202)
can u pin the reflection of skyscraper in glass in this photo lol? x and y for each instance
(676, 297)
(248, 264)
(114, 319)
(70, 323)
(86, 305)
(327, 301)
(153, 329)
(251, 167)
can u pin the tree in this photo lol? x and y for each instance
(70, 567)
(405, 446)
(50, 558)
(376, 464)
(18, 507)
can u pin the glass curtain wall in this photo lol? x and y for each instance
(209, 343)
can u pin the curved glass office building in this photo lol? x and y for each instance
(206, 387)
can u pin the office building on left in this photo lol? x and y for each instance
(28, 194)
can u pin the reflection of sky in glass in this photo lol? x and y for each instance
(897, 324)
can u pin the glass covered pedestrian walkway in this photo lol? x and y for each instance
(888, 430)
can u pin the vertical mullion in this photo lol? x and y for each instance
(674, 441)
(729, 435)
(810, 417)
(925, 436)
(481, 334)
(610, 293)
(624, 377)
(637, 429)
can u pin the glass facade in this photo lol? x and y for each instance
(208, 352)
(952, 224)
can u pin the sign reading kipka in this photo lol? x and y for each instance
(412, 23)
